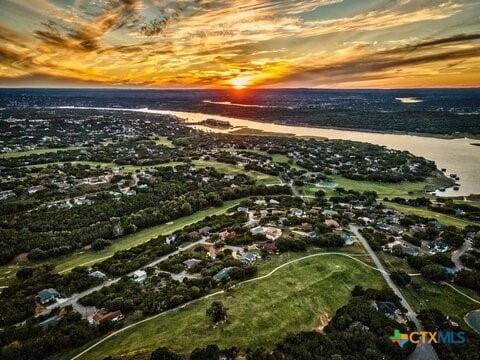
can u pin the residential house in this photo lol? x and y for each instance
(296, 212)
(204, 231)
(105, 316)
(223, 275)
(332, 223)
(49, 323)
(329, 213)
(269, 247)
(388, 309)
(249, 258)
(139, 276)
(48, 295)
(222, 236)
(272, 233)
(257, 230)
(97, 274)
(171, 239)
(191, 263)
(346, 238)
(213, 252)
(34, 189)
(306, 226)
(273, 202)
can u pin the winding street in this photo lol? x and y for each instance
(73, 299)
(422, 351)
(457, 254)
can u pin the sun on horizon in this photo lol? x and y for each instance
(240, 82)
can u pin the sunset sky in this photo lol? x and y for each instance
(244, 43)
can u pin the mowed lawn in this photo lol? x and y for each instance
(403, 189)
(441, 297)
(14, 154)
(300, 296)
(442, 218)
(89, 257)
(234, 169)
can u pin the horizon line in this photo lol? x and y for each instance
(232, 89)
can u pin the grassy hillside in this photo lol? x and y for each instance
(300, 296)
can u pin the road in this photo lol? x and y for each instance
(422, 351)
(79, 355)
(73, 299)
(467, 245)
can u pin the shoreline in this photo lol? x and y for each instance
(300, 124)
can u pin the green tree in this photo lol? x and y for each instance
(217, 312)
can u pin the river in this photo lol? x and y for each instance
(457, 156)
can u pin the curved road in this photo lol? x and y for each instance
(73, 299)
(422, 351)
(217, 293)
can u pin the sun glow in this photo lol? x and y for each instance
(240, 82)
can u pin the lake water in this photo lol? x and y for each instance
(473, 320)
(457, 156)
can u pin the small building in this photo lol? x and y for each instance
(51, 322)
(48, 295)
(306, 226)
(223, 275)
(257, 230)
(296, 212)
(204, 231)
(105, 316)
(273, 202)
(242, 209)
(260, 202)
(346, 238)
(272, 233)
(191, 263)
(329, 213)
(171, 239)
(249, 258)
(437, 246)
(387, 308)
(332, 223)
(269, 247)
(34, 189)
(139, 276)
(226, 235)
(213, 252)
(97, 274)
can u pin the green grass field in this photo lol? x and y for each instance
(14, 154)
(441, 297)
(89, 257)
(300, 296)
(165, 142)
(233, 169)
(404, 189)
(442, 218)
